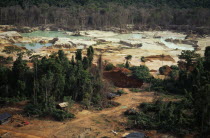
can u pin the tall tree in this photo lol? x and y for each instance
(19, 70)
(79, 55)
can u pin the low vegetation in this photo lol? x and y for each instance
(140, 72)
(164, 116)
(109, 67)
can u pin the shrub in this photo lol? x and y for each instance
(174, 74)
(145, 121)
(135, 90)
(164, 116)
(109, 67)
(140, 72)
(174, 67)
(32, 109)
(9, 59)
(120, 92)
(12, 100)
(121, 65)
(148, 107)
(128, 57)
(127, 65)
(158, 85)
(143, 59)
(61, 115)
(165, 70)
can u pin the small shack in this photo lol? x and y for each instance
(63, 106)
(5, 118)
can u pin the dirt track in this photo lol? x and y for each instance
(86, 123)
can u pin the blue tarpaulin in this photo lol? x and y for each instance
(4, 117)
(135, 135)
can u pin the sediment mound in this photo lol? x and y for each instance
(12, 47)
(12, 34)
(131, 43)
(63, 43)
(123, 70)
(119, 78)
(179, 41)
(9, 37)
(160, 57)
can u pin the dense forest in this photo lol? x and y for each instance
(53, 80)
(97, 14)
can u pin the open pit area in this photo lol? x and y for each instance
(158, 47)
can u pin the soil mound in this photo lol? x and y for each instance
(160, 57)
(119, 78)
(123, 70)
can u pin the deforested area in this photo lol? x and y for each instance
(105, 68)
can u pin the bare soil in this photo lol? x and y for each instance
(120, 79)
(160, 57)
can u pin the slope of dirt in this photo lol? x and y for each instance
(120, 79)
(160, 57)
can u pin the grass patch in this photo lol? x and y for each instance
(136, 90)
(171, 96)
(120, 92)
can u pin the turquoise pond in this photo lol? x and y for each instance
(33, 46)
(52, 34)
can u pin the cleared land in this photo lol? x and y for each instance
(86, 123)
